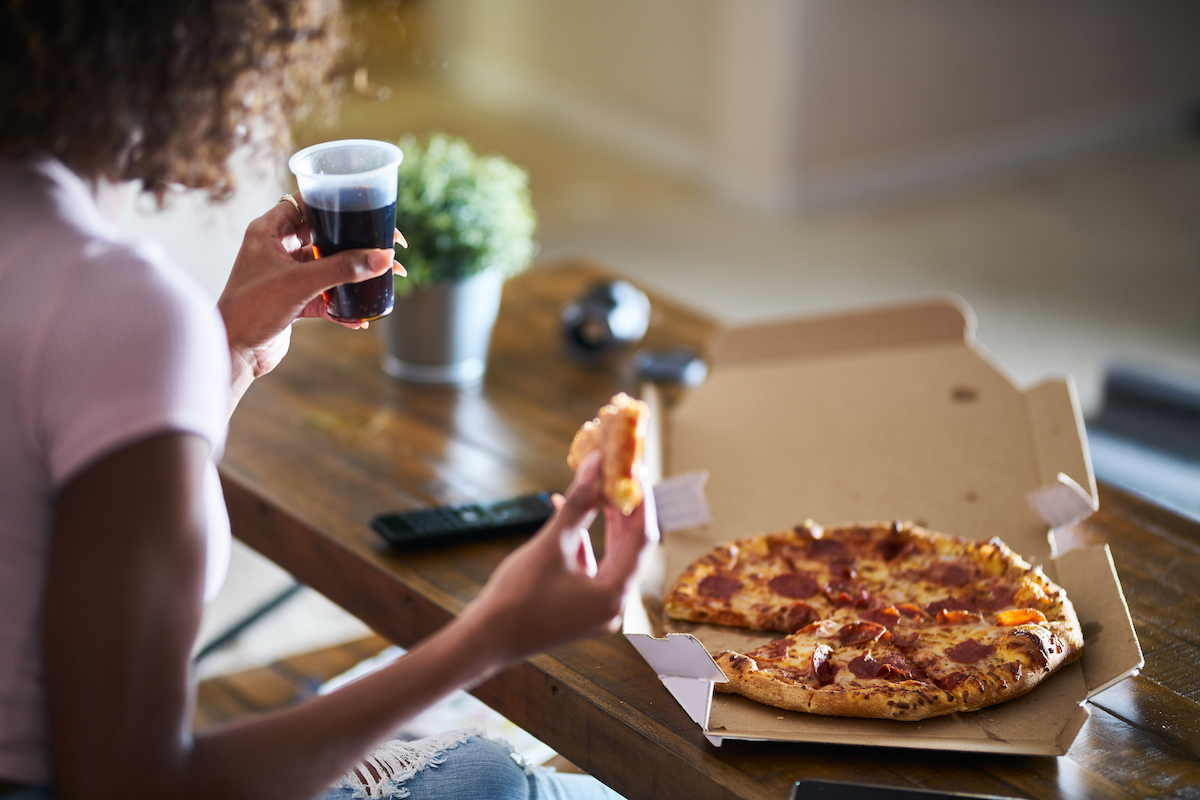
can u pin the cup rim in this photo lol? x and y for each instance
(396, 153)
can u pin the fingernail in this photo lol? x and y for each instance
(399, 269)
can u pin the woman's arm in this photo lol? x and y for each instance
(123, 606)
(275, 281)
(124, 589)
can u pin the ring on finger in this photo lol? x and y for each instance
(287, 198)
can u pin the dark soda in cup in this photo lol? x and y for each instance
(335, 230)
(349, 191)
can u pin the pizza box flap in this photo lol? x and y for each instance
(1112, 650)
(889, 413)
(946, 318)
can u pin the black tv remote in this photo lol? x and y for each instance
(446, 525)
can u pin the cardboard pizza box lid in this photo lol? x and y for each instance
(881, 414)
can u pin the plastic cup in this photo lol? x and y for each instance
(349, 192)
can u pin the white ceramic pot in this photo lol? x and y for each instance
(440, 334)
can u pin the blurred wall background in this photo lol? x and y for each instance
(775, 106)
(787, 104)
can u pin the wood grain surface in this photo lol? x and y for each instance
(327, 441)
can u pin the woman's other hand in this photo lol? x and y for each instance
(276, 280)
(551, 590)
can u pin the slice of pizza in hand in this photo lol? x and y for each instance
(619, 433)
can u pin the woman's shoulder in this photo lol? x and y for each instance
(114, 297)
(59, 247)
(109, 341)
(137, 280)
(42, 200)
(123, 347)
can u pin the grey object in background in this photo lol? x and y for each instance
(609, 318)
(675, 365)
(1146, 437)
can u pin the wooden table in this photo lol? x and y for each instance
(327, 441)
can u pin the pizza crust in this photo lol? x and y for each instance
(680, 602)
(899, 701)
(619, 433)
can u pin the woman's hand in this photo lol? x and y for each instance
(276, 280)
(551, 590)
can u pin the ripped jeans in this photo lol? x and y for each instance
(460, 765)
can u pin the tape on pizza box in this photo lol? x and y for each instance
(1060, 449)
(680, 501)
(1063, 503)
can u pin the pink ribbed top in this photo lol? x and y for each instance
(102, 343)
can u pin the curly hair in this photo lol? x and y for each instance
(161, 91)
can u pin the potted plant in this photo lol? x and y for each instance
(469, 224)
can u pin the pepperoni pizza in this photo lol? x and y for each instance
(881, 620)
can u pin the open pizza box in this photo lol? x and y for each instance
(890, 413)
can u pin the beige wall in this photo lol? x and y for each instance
(648, 57)
(784, 103)
(627, 73)
(976, 86)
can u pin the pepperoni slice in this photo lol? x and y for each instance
(864, 666)
(892, 667)
(903, 666)
(951, 604)
(1020, 616)
(994, 598)
(843, 569)
(844, 593)
(895, 545)
(797, 585)
(822, 669)
(790, 618)
(775, 650)
(950, 681)
(722, 587)
(887, 617)
(969, 651)
(861, 632)
(826, 628)
(958, 617)
(829, 550)
(948, 573)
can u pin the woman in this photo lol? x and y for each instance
(118, 380)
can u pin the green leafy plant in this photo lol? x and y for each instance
(461, 213)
